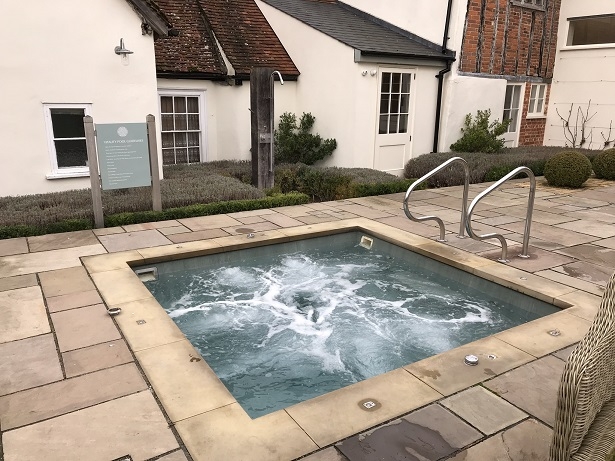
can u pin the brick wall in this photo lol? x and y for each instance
(502, 38)
(518, 43)
(532, 130)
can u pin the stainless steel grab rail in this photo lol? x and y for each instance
(464, 199)
(528, 218)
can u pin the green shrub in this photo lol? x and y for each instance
(295, 144)
(497, 172)
(479, 135)
(480, 164)
(568, 169)
(604, 164)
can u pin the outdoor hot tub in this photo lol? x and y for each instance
(333, 364)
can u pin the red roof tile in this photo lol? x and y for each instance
(246, 37)
(239, 27)
(194, 51)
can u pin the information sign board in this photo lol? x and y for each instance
(123, 155)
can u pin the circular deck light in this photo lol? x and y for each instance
(471, 360)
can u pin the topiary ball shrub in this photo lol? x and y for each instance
(604, 164)
(568, 169)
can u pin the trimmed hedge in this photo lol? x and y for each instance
(568, 169)
(121, 219)
(604, 164)
(483, 167)
(333, 183)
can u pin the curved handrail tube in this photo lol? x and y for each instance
(464, 204)
(528, 218)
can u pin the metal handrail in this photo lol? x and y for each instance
(464, 199)
(528, 218)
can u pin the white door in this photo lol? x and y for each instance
(393, 135)
(512, 111)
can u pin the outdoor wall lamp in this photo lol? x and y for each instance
(123, 52)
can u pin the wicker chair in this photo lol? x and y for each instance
(584, 427)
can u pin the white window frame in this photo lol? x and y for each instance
(533, 4)
(200, 94)
(533, 101)
(56, 172)
(570, 35)
(517, 125)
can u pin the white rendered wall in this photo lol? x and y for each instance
(581, 74)
(227, 116)
(466, 95)
(344, 101)
(424, 18)
(63, 52)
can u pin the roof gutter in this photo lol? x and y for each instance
(440, 77)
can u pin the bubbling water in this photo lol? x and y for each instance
(304, 324)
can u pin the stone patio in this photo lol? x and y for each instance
(77, 384)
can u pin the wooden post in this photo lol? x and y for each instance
(262, 126)
(90, 142)
(153, 162)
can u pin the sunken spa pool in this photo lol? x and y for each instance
(284, 323)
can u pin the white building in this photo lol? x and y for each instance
(584, 69)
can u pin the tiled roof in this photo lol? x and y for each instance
(194, 50)
(359, 30)
(152, 15)
(238, 26)
(246, 37)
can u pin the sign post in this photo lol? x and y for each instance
(90, 143)
(126, 156)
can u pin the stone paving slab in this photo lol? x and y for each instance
(173, 230)
(553, 234)
(484, 410)
(245, 229)
(109, 230)
(585, 305)
(328, 454)
(215, 222)
(13, 246)
(539, 399)
(175, 456)
(46, 261)
(607, 243)
(447, 373)
(587, 272)
(605, 214)
(228, 433)
(82, 327)
(564, 353)
(61, 241)
(28, 363)
(183, 382)
(527, 441)
(251, 219)
(19, 281)
(73, 300)
(111, 262)
(547, 334)
(597, 229)
(198, 235)
(131, 425)
(94, 358)
(338, 414)
(281, 220)
(151, 225)
(428, 434)
(61, 397)
(114, 289)
(22, 314)
(539, 259)
(571, 281)
(591, 253)
(133, 240)
(65, 281)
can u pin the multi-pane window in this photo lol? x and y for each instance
(511, 106)
(536, 104)
(594, 30)
(539, 4)
(67, 138)
(181, 129)
(394, 102)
